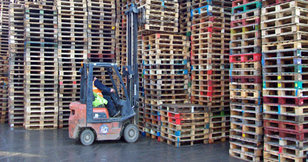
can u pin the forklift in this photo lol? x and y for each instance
(88, 124)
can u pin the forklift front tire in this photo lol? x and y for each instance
(87, 137)
(131, 133)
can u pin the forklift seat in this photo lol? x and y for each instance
(101, 113)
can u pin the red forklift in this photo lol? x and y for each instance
(88, 124)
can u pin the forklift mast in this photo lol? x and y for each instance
(132, 53)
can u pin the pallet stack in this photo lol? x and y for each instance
(185, 17)
(4, 55)
(101, 30)
(16, 68)
(141, 109)
(165, 76)
(210, 63)
(72, 52)
(41, 67)
(246, 137)
(160, 17)
(118, 30)
(285, 54)
(101, 36)
(184, 124)
(121, 20)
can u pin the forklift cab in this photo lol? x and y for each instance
(87, 97)
(96, 121)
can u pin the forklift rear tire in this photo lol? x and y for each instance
(87, 137)
(131, 133)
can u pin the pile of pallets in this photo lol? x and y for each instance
(72, 52)
(16, 68)
(185, 17)
(4, 55)
(122, 6)
(41, 67)
(101, 30)
(285, 91)
(118, 30)
(101, 36)
(141, 120)
(246, 136)
(210, 64)
(184, 124)
(160, 16)
(165, 76)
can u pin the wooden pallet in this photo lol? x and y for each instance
(245, 151)
(291, 152)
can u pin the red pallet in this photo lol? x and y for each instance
(286, 126)
(209, 29)
(246, 79)
(242, 2)
(245, 22)
(286, 134)
(285, 100)
(255, 57)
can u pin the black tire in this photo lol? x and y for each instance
(87, 137)
(131, 133)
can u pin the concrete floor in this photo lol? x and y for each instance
(54, 145)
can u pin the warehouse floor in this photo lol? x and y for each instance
(54, 145)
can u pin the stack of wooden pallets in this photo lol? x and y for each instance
(141, 110)
(41, 67)
(101, 35)
(161, 16)
(101, 27)
(210, 63)
(285, 89)
(122, 6)
(118, 30)
(72, 52)
(185, 17)
(184, 124)
(165, 76)
(4, 55)
(246, 137)
(16, 68)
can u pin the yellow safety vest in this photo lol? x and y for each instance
(99, 98)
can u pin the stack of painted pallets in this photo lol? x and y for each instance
(246, 137)
(210, 63)
(161, 17)
(165, 76)
(184, 124)
(41, 67)
(285, 91)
